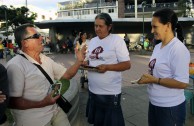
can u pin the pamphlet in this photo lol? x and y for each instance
(55, 89)
(89, 68)
(135, 81)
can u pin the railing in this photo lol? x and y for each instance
(89, 5)
(102, 4)
(152, 7)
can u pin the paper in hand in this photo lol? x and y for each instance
(55, 89)
(135, 81)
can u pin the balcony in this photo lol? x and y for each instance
(85, 5)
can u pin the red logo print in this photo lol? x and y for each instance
(96, 52)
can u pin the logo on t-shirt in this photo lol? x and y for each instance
(95, 53)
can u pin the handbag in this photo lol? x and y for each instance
(61, 101)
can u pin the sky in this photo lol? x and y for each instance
(44, 4)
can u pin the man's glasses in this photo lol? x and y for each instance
(35, 36)
(151, 66)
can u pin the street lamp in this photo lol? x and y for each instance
(5, 10)
(143, 4)
(26, 3)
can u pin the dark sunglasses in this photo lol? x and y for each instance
(35, 36)
(151, 66)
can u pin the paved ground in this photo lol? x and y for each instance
(134, 97)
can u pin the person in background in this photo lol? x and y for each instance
(109, 54)
(76, 39)
(5, 41)
(70, 45)
(1, 49)
(127, 40)
(82, 41)
(146, 43)
(168, 72)
(30, 102)
(4, 95)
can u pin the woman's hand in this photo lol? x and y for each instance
(147, 79)
(102, 68)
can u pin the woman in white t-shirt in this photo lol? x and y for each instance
(107, 52)
(168, 72)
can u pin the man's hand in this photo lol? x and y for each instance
(81, 54)
(49, 100)
(2, 97)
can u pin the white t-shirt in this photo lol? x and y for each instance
(110, 50)
(27, 81)
(172, 61)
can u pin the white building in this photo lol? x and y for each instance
(80, 9)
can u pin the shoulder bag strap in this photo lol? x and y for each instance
(42, 70)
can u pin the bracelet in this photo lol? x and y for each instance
(159, 80)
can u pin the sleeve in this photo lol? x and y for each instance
(179, 62)
(58, 70)
(122, 52)
(16, 80)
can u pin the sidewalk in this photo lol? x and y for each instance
(134, 105)
(134, 97)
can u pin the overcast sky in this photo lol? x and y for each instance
(44, 4)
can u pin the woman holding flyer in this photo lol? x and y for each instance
(108, 53)
(168, 72)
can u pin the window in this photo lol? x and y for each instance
(95, 11)
(77, 12)
(43, 17)
(59, 14)
(111, 10)
(85, 12)
(70, 13)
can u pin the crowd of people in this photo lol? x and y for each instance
(24, 88)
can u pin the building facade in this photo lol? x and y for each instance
(129, 16)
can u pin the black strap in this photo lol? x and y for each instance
(62, 102)
(42, 70)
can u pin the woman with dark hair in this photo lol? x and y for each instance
(82, 40)
(107, 52)
(168, 72)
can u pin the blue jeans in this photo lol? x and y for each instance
(167, 116)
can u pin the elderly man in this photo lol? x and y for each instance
(29, 99)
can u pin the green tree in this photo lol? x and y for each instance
(16, 17)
